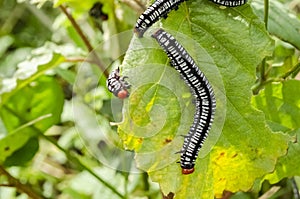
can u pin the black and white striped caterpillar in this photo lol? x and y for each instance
(117, 84)
(230, 3)
(161, 8)
(202, 91)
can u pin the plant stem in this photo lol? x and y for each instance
(263, 75)
(261, 79)
(85, 40)
(262, 69)
(17, 184)
(266, 13)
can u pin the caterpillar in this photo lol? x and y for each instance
(202, 91)
(161, 8)
(117, 84)
(230, 3)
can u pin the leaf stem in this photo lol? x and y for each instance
(85, 40)
(17, 184)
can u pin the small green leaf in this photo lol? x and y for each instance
(23, 154)
(12, 142)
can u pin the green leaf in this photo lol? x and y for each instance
(227, 44)
(288, 165)
(42, 97)
(42, 59)
(281, 22)
(23, 154)
(31, 110)
(13, 142)
(281, 104)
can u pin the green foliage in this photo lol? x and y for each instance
(281, 105)
(32, 104)
(56, 139)
(281, 22)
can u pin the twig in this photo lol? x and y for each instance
(7, 185)
(17, 184)
(85, 40)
